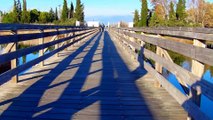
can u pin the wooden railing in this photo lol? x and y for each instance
(189, 42)
(61, 38)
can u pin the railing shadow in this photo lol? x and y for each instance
(117, 93)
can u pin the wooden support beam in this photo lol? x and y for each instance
(14, 62)
(57, 45)
(198, 70)
(41, 52)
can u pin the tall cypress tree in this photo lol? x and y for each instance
(181, 10)
(56, 13)
(136, 18)
(79, 11)
(71, 12)
(19, 10)
(51, 15)
(15, 13)
(64, 14)
(172, 15)
(25, 17)
(144, 13)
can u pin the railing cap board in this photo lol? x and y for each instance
(4, 26)
(184, 29)
(183, 32)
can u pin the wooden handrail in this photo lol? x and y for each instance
(191, 33)
(194, 82)
(75, 34)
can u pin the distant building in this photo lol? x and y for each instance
(93, 24)
(130, 24)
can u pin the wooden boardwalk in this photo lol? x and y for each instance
(92, 81)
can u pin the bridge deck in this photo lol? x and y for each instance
(88, 82)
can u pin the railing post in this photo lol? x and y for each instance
(158, 67)
(41, 52)
(14, 62)
(57, 45)
(198, 70)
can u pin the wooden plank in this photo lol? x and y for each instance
(183, 74)
(186, 103)
(7, 75)
(22, 52)
(25, 37)
(181, 48)
(4, 26)
(205, 34)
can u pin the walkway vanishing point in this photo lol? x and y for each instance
(94, 75)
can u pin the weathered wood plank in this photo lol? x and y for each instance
(186, 103)
(4, 26)
(26, 37)
(181, 48)
(7, 75)
(22, 52)
(185, 75)
(201, 34)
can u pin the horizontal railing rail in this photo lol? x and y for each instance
(134, 40)
(61, 38)
(31, 27)
(194, 33)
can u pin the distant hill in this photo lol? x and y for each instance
(110, 19)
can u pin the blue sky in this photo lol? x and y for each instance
(94, 9)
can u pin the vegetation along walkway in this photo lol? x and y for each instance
(91, 81)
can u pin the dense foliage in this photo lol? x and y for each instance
(175, 13)
(68, 16)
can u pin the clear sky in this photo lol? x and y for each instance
(92, 7)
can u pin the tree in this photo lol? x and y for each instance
(19, 9)
(158, 19)
(172, 14)
(8, 18)
(15, 13)
(71, 12)
(144, 13)
(64, 14)
(208, 15)
(56, 13)
(181, 10)
(79, 11)
(51, 15)
(44, 17)
(136, 18)
(25, 18)
(34, 15)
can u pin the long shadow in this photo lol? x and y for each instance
(25, 105)
(117, 93)
(118, 83)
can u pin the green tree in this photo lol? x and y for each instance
(15, 13)
(79, 11)
(136, 18)
(25, 17)
(19, 10)
(34, 15)
(181, 10)
(64, 14)
(44, 17)
(51, 15)
(71, 12)
(7, 18)
(144, 13)
(56, 13)
(172, 15)
(158, 18)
